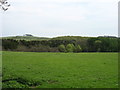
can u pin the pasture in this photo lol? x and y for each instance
(59, 70)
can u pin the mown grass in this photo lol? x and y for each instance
(60, 70)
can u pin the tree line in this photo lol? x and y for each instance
(63, 44)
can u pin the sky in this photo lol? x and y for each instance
(52, 18)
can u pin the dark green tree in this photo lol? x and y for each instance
(78, 48)
(98, 45)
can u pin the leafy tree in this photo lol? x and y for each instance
(9, 44)
(105, 44)
(78, 48)
(91, 45)
(73, 44)
(98, 45)
(113, 47)
(70, 47)
(62, 48)
(118, 45)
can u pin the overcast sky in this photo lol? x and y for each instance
(51, 18)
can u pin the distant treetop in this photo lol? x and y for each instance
(108, 36)
(28, 35)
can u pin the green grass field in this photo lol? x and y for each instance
(60, 70)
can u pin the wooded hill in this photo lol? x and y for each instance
(60, 44)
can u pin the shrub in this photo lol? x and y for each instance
(15, 84)
(78, 48)
(62, 48)
(70, 47)
(10, 44)
(98, 45)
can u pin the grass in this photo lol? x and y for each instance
(27, 38)
(60, 70)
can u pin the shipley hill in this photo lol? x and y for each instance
(30, 43)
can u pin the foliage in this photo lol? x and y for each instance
(62, 48)
(11, 84)
(87, 44)
(78, 48)
(98, 45)
(103, 44)
(9, 44)
(70, 48)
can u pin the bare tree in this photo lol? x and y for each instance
(4, 5)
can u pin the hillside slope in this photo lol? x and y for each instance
(28, 38)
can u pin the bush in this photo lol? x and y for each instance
(98, 45)
(78, 48)
(70, 48)
(62, 48)
(10, 44)
(15, 84)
